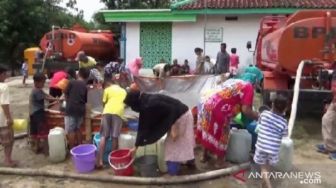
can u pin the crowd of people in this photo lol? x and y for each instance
(160, 114)
(225, 63)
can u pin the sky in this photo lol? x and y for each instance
(88, 6)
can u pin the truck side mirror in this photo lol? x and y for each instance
(249, 45)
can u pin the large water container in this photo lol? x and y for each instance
(127, 140)
(239, 146)
(57, 145)
(286, 155)
(161, 153)
(147, 150)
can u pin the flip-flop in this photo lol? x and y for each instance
(332, 156)
(321, 148)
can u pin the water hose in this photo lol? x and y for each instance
(124, 179)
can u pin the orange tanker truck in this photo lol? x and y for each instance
(60, 47)
(283, 42)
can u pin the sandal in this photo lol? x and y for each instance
(321, 148)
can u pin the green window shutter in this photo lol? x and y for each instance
(155, 43)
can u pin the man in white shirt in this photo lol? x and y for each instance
(161, 70)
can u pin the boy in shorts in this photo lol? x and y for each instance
(113, 100)
(272, 126)
(6, 121)
(38, 129)
(75, 97)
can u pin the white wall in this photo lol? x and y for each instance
(132, 41)
(187, 36)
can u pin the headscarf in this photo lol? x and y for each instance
(249, 77)
(135, 66)
(157, 113)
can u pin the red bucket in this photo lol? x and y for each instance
(121, 162)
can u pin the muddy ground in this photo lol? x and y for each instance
(307, 133)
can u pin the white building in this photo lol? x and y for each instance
(174, 33)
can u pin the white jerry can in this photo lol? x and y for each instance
(127, 140)
(286, 155)
(239, 146)
(57, 145)
(161, 153)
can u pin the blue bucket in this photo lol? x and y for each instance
(173, 168)
(84, 157)
(108, 147)
(133, 125)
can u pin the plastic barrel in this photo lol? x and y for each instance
(84, 157)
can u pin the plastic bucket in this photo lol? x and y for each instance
(173, 168)
(148, 166)
(108, 146)
(84, 157)
(121, 162)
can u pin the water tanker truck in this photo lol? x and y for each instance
(283, 42)
(60, 47)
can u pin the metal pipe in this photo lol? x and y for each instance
(205, 23)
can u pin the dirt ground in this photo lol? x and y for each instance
(306, 134)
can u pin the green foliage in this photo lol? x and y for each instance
(136, 4)
(23, 23)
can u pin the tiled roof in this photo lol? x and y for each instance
(244, 4)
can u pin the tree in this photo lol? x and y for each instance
(24, 22)
(133, 4)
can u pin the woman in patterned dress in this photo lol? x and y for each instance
(216, 110)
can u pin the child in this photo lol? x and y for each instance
(199, 61)
(234, 61)
(113, 100)
(185, 67)
(95, 76)
(75, 97)
(6, 121)
(271, 128)
(24, 71)
(209, 66)
(175, 68)
(38, 129)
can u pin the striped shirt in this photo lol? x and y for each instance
(272, 128)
